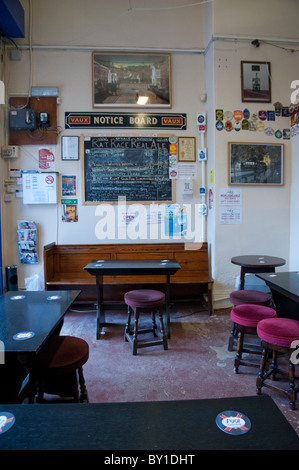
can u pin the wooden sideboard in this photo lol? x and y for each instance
(63, 269)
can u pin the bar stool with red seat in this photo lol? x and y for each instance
(138, 301)
(58, 369)
(279, 336)
(246, 317)
(240, 297)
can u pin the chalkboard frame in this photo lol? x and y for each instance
(86, 201)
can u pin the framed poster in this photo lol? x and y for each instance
(255, 164)
(256, 82)
(186, 152)
(140, 80)
(69, 147)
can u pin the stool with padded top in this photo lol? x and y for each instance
(246, 317)
(279, 336)
(138, 301)
(57, 368)
(240, 297)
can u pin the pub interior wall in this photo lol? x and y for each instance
(216, 72)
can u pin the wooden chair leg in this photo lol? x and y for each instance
(163, 332)
(135, 335)
(292, 392)
(232, 337)
(128, 325)
(83, 390)
(260, 377)
(238, 357)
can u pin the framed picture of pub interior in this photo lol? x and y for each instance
(256, 82)
(139, 80)
(255, 164)
(126, 168)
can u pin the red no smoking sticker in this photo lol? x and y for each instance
(49, 179)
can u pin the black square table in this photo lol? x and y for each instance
(284, 288)
(33, 316)
(169, 429)
(129, 267)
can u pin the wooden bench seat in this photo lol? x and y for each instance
(63, 269)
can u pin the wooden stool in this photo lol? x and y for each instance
(241, 297)
(55, 369)
(278, 335)
(139, 301)
(246, 318)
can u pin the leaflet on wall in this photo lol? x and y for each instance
(230, 215)
(230, 197)
(69, 210)
(68, 185)
(175, 220)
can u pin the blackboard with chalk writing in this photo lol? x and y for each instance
(132, 168)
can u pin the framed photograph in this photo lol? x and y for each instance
(70, 147)
(186, 150)
(255, 164)
(256, 82)
(139, 80)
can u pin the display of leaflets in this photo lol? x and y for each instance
(27, 242)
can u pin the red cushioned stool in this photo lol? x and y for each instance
(246, 317)
(139, 301)
(241, 297)
(54, 370)
(278, 335)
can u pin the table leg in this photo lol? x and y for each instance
(242, 278)
(100, 308)
(167, 305)
(254, 270)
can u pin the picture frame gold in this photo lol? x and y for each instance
(186, 149)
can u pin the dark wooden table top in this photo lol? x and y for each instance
(131, 267)
(286, 282)
(258, 261)
(33, 315)
(170, 425)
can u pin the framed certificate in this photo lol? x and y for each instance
(186, 149)
(70, 147)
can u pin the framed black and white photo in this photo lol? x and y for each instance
(256, 82)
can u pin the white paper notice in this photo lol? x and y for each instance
(230, 215)
(230, 197)
(187, 171)
(39, 188)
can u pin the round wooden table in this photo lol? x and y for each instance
(256, 264)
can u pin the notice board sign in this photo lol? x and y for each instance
(132, 168)
(39, 188)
